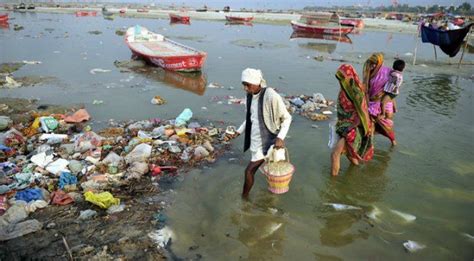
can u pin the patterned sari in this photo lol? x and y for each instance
(353, 120)
(375, 81)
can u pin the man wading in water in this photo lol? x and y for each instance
(267, 123)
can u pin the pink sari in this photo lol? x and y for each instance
(376, 84)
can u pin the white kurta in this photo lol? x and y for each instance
(255, 137)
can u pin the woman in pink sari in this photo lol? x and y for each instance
(375, 77)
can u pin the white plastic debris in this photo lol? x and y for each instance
(115, 209)
(87, 214)
(41, 159)
(57, 166)
(99, 70)
(374, 213)
(162, 237)
(31, 62)
(339, 207)
(215, 85)
(413, 246)
(405, 216)
(11, 83)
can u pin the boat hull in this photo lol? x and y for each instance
(179, 18)
(86, 13)
(238, 19)
(187, 62)
(4, 18)
(357, 23)
(342, 30)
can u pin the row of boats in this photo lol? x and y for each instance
(174, 56)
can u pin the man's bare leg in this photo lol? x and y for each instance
(249, 177)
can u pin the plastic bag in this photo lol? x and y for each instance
(103, 200)
(28, 195)
(66, 178)
(60, 197)
(57, 166)
(48, 124)
(333, 136)
(185, 116)
(87, 141)
(140, 153)
(41, 159)
(78, 116)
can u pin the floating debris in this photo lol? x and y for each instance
(96, 32)
(99, 70)
(340, 207)
(158, 100)
(215, 85)
(404, 216)
(412, 246)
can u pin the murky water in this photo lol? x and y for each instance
(429, 175)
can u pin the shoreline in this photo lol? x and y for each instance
(371, 24)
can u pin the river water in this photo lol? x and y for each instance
(430, 174)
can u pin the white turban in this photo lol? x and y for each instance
(253, 76)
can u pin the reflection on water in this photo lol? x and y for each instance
(178, 22)
(238, 23)
(438, 93)
(320, 47)
(194, 82)
(261, 227)
(5, 25)
(323, 43)
(358, 186)
(329, 37)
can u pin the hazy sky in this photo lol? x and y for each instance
(301, 3)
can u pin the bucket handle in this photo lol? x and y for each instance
(272, 156)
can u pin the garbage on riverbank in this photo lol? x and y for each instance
(54, 162)
(314, 107)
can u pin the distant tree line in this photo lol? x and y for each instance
(463, 9)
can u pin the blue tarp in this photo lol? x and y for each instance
(449, 41)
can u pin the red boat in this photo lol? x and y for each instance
(238, 18)
(175, 18)
(86, 13)
(3, 18)
(321, 29)
(162, 51)
(357, 23)
(122, 11)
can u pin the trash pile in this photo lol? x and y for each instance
(315, 107)
(59, 160)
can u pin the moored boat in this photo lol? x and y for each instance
(123, 11)
(179, 18)
(321, 29)
(3, 18)
(238, 18)
(86, 13)
(142, 10)
(357, 23)
(163, 52)
(106, 12)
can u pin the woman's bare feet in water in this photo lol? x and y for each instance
(354, 161)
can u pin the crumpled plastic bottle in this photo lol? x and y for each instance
(184, 117)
